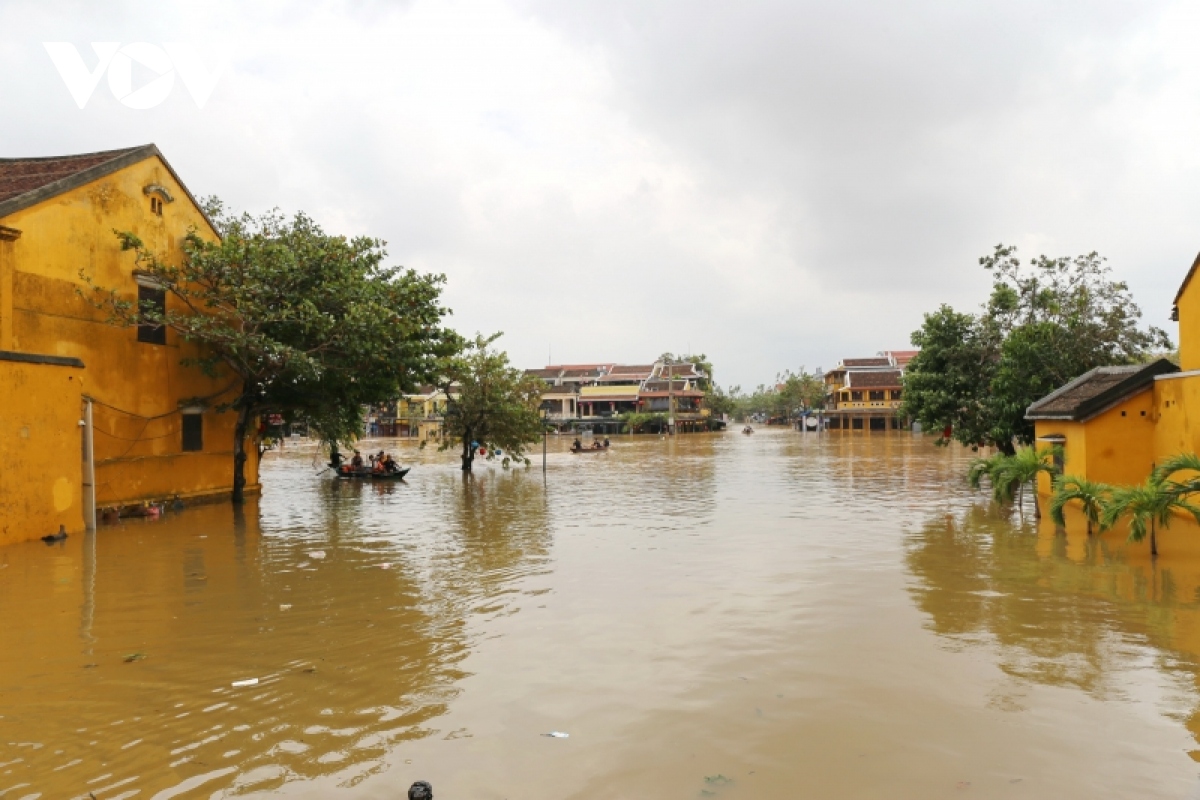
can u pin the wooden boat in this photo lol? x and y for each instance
(589, 450)
(349, 473)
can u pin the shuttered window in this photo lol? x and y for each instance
(193, 432)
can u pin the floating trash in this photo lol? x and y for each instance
(129, 659)
(316, 554)
(557, 735)
(247, 682)
(285, 606)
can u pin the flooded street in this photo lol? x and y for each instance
(726, 616)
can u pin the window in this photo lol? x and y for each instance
(856, 396)
(896, 394)
(193, 433)
(153, 300)
(156, 206)
(878, 394)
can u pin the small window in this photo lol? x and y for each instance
(856, 396)
(156, 206)
(878, 395)
(155, 300)
(193, 432)
(896, 393)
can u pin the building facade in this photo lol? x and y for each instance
(864, 394)
(91, 414)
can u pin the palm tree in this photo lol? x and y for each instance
(983, 467)
(1013, 472)
(1183, 462)
(1147, 505)
(1092, 497)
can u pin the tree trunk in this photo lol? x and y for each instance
(239, 454)
(1007, 448)
(1037, 510)
(1153, 540)
(468, 452)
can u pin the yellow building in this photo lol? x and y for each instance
(1115, 423)
(70, 382)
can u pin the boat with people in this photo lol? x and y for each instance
(349, 472)
(747, 430)
(381, 467)
(596, 447)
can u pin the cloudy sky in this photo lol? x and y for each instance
(775, 184)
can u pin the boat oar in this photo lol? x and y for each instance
(322, 472)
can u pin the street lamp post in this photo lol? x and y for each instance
(545, 434)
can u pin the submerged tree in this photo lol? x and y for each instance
(1090, 495)
(491, 404)
(306, 323)
(1148, 505)
(1010, 474)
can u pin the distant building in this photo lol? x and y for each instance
(597, 396)
(864, 394)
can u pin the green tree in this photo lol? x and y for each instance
(1090, 495)
(1010, 474)
(491, 404)
(306, 324)
(1148, 505)
(1044, 324)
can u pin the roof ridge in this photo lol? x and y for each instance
(114, 153)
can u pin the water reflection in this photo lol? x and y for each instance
(1061, 609)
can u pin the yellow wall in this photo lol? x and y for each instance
(138, 387)
(41, 465)
(1178, 403)
(1188, 308)
(1115, 447)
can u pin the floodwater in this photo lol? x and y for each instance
(711, 616)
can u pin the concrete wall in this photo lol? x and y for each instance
(41, 464)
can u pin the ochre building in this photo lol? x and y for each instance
(72, 385)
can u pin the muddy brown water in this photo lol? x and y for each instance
(711, 616)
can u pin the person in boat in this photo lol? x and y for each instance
(389, 464)
(576, 445)
(380, 463)
(335, 460)
(596, 445)
(356, 462)
(606, 443)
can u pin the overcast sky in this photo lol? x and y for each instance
(775, 184)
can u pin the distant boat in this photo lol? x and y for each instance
(603, 449)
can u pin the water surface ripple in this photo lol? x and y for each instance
(768, 616)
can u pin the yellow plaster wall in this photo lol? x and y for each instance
(1189, 326)
(1115, 447)
(138, 387)
(41, 464)
(1178, 405)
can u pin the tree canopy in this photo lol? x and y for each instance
(1045, 323)
(491, 403)
(308, 324)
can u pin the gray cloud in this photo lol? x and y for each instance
(774, 184)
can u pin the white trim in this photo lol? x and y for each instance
(1191, 373)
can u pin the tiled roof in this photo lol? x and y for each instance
(589, 372)
(866, 362)
(544, 374)
(1097, 390)
(680, 370)
(25, 182)
(634, 369)
(559, 390)
(874, 380)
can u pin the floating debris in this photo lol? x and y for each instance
(129, 659)
(316, 554)
(557, 735)
(285, 606)
(247, 682)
